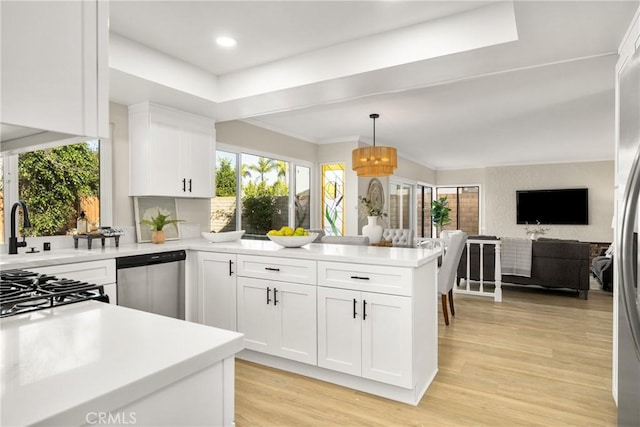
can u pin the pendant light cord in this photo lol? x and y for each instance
(374, 116)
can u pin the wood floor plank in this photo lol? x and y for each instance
(540, 358)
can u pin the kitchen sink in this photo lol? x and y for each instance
(42, 256)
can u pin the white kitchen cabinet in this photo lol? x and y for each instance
(365, 334)
(54, 71)
(217, 289)
(172, 153)
(102, 272)
(278, 318)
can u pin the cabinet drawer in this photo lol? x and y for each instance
(94, 272)
(363, 277)
(282, 269)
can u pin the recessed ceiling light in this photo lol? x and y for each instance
(225, 41)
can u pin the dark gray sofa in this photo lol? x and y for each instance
(554, 264)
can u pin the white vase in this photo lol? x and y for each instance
(372, 230)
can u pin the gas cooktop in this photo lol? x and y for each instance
(23, 291)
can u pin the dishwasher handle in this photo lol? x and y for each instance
(150, 259)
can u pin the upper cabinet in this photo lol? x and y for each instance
(171, 152)
(54, 72)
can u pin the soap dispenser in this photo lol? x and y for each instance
(81, 225)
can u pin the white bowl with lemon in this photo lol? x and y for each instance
(290, 238)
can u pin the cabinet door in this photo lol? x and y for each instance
(386, 339)
(339, 330)
(54, 66)
(217, 287)
(164, 175)
(196, 164)
(295, 308)
(255, 314)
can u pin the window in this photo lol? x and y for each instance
(400, 205)
(255, 196)
(56, 184)
(303, 197)
(333, 199)
(265, 193)
(424, 195)
(465, 207)
(223, 206)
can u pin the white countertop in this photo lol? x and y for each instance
(67, 361)
(402, 257)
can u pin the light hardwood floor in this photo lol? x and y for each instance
(539, 358)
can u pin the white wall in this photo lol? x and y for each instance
(499, 186)
(246, 135)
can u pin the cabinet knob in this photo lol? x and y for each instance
(355, 302)
(360, 277)
(268, 295)
(271, 269)
(184, 184)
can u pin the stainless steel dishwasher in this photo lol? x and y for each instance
(152, 283)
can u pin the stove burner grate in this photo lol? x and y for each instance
(23, 291)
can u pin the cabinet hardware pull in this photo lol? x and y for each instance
(230, 269)
(354, 308)
(360, 277)
(189, 185)
(272, 269)
(275, 296)
(364, 309)
(268, 291)
(184, 184)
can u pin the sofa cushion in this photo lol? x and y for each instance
(562, 249)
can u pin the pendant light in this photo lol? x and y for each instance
(373, 161)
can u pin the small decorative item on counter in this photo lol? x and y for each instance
(82, 224)
(157, 224)
(536, 231)
(372, 212)
(102, 233)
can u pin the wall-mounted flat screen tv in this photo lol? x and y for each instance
(562, 206)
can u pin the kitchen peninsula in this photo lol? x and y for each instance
(359, 316)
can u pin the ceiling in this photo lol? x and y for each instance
(456, 84)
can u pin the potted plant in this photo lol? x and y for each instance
(440, 213)
(157, 225)
(372, 229)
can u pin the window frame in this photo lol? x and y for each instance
(423, 185)
(394, 181)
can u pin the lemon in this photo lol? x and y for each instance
(287, 231)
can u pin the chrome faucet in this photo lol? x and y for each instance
(13, 240)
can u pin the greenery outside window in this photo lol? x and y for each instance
(56, 184)
(224, 205)
(255, 196)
